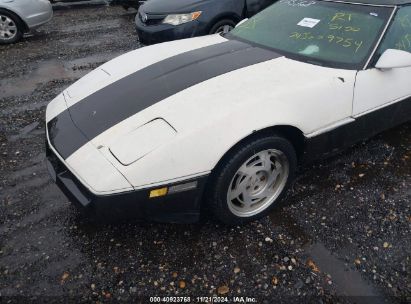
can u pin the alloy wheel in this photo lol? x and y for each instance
(258, 183)
(8, 28)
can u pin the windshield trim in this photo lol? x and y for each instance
(331, 64)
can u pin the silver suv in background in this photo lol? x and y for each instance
(20, 16)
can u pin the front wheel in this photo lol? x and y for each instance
(253, 179)
(10, 27)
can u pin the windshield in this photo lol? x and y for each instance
(326, 33)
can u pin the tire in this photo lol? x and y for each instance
(268, 164)
(222, 26)
(11, 27)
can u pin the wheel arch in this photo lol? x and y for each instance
(23, 23)
(294, 135)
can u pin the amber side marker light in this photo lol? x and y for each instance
(158, 192)
(173, 189)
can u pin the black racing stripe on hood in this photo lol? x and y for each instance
(64, 136)
(120, 100)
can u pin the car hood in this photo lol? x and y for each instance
(150, 86)
(173, 6)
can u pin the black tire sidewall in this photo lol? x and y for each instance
(18, 23)
(221, 23)
(234, 160)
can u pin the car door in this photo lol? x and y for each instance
(255, 6)
(382, 98)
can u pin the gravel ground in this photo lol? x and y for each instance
(344, 236)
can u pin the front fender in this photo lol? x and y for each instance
(215, 115)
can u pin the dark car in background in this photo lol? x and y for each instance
(127, 3)
(160, 20)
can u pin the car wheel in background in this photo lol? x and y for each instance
(253, 179)
(222, 26)
(11, 29)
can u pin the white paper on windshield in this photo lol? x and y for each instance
(308, 22)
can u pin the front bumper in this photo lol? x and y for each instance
(182, 207)
(152, 34)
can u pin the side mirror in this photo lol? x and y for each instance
(391, 59)
(241, 22)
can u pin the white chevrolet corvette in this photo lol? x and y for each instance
(221, 122)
